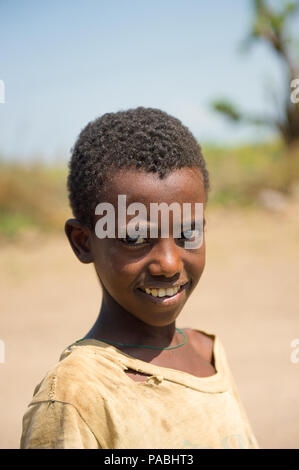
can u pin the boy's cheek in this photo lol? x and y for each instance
(112, 267)
(197, 268)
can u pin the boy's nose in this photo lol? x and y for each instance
(166, 260)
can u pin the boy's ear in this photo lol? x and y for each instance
(79, 238)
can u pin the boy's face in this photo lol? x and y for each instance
(126, 267)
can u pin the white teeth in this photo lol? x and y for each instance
(162, 292)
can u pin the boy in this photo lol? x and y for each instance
(135, 380)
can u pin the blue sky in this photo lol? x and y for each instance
(66, 62)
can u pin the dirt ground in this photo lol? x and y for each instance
(248, 295)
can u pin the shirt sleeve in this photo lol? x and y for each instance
(55, 425)
(253, 444)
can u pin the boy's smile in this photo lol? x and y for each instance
(147, 280)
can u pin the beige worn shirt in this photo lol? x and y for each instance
(87, 401)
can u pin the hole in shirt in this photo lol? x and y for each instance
(137, 376)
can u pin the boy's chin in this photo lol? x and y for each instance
(159, 311)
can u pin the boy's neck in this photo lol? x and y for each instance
(116, 324)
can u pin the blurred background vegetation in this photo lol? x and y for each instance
(270, 26)
(33, 196)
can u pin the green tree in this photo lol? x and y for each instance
(270, 25)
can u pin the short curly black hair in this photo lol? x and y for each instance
(143, 138)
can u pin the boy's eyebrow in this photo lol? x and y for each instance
(193, 223)
(185, 225)
(143, 223)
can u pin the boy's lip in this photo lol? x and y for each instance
(160, 285)
(166, 300)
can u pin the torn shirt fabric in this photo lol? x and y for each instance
(87, 401)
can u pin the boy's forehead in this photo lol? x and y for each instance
(179, 185)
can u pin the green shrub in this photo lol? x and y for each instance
(35, 195)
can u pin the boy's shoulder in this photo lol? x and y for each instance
(79, 371)
(202, 342)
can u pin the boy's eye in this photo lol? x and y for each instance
(133, 240)
(190, 234)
